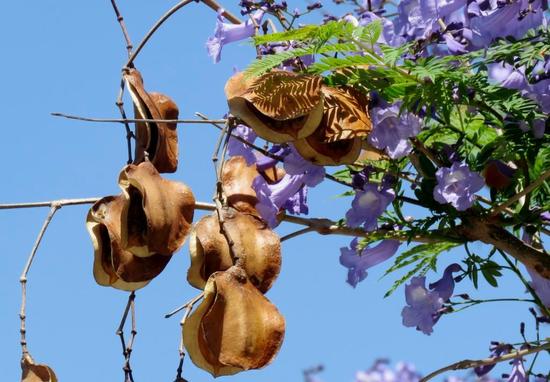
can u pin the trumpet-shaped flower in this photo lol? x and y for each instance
(422, 306)
(226, 33)
(368, 204)
(392, 130)
(358, 262)
(457, 185)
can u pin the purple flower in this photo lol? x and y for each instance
(511, 18)
(358, 263)
(289, 192)
(541, 286)
(453, 45)
(368, 204)
(236, 147)
(507, 76)
(423, 306)
(446, 285)
(518, 373)
(226, 33)
(392, 131)
(457, 185)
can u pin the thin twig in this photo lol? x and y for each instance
(152, 31)
(135, 120)
(297, 233)
(319, 225)
(521, 194)
(127, 349)
(468, 364)
(23, 278)
(120, 105)
(120, 20)
(181, 349)
(191, 302)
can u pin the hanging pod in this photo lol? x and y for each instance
(339, 137)
(158, 214)
(32, 372)
(235, 327)
(158, 139)
(280, 106)
(237, 178)
(114, 266)
(256, 248)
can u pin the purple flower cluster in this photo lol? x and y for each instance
(358, 262)
(393, 129)
(457, 185)
(424, 307)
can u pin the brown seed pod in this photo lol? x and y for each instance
(338, 139)
(158, 139)
(237, 178)
(280, 106)
(256, 248)
(158, 214)
(235, 327)
(114, 266)
(32, 372)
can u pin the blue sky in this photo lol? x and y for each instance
(66, 56)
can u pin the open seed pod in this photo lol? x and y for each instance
(235, 327)
(32, 372)
(256, 246)
(158, 214)
(237, 178)
(338, 139)
(158, 139)
(280, 106)
(114, 266)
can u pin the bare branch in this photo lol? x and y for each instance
(23, 278)
(191, 302)
(188, 308)
(297, 233)
(319, 225)
(127, 349)
(129, 120)
(120, 20)
(468, 363)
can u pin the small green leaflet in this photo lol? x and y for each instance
(425, 257)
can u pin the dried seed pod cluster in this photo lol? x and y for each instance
(327, 125)
(235, 327)
(135, 234)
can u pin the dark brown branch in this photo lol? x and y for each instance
(477, 228)
(468, 363)
(188, 308)
(120, 20)
(23, 278)
(130, 120)
(127, 349)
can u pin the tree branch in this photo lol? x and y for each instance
(478, 228)
(468, 363)
(320, 225)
